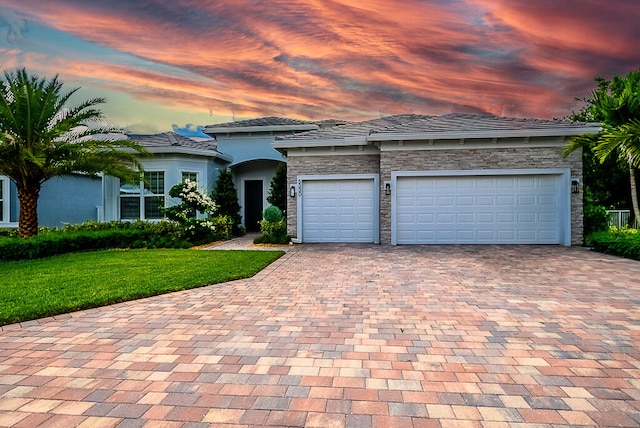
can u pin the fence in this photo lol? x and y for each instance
(620, 218)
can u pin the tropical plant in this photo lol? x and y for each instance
(41, 138)
(226, 198)
(192, 201)
(278, 188)
(616, 105)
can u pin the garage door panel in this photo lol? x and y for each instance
(485, 200)
(527, 217)
(465, 235)
(506, 217)
(462, 218)
(478, 209)
(338, 210)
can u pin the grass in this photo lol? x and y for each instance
(71, 282)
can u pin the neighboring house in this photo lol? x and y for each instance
(452, 179)
(77, 198)
(253, 159)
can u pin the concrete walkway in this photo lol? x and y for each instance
(348, 336)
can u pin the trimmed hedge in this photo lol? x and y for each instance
(93, 236)
(619, 242)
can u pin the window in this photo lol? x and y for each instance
(4, 203)
(144, 205)
(191, 176)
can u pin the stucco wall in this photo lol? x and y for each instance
(324, 165)
(69, 199)
(470, 159)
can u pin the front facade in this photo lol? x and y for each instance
(248, 143)
(453, 179)
(77, 198)
(174, 159)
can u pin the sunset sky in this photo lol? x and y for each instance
(179, 64)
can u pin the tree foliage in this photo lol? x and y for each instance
(42, 138)
(278, 188)
(226, 198)
(615, 104)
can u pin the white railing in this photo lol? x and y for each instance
(620, 218)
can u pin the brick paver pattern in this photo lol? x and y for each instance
(348, 336)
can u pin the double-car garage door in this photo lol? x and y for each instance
(488, 209)
(451, 209)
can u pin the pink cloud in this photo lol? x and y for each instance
(350, 58)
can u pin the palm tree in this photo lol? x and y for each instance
(616, 105)
(41, 138)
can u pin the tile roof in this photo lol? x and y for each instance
(271, 124)
(262, 121)
(171, 139)
(476, 122)
(416, 123)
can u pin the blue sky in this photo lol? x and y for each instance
(177, 64)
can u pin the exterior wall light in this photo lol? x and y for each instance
(387, 188)
(575, 185)
(292, 190)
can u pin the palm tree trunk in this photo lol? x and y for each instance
(28, 219)
(634, 193)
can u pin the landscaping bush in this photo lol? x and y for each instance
(596, 219)
(278, 188)
(273, 227)
(619, 242)
(8, 232)
(193, 201)
(49, 243)
(226, 198)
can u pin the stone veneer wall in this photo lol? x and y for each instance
(470, 159)
(324, 165)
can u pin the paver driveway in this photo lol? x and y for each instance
(352, 336)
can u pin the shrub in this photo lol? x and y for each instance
(596, 219)
(272, 214)
(52, 242)
(226, 198)
(278, 188)
(273, 227)
(619, 242)
(196, 230)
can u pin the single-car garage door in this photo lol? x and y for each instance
(503, 209)
(340, 210)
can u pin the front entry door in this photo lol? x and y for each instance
(252, 204)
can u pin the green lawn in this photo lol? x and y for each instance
(70, 282)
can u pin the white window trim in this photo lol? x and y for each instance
(6, 201)
(141, 195)
(198, 174)
(202, 187)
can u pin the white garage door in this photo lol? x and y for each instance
(509, 209)
(338, 210)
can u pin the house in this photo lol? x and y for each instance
(253, 164)
(77, 198)
(452, 179)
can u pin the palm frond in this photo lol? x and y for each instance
(578, 142)
(625, 139)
